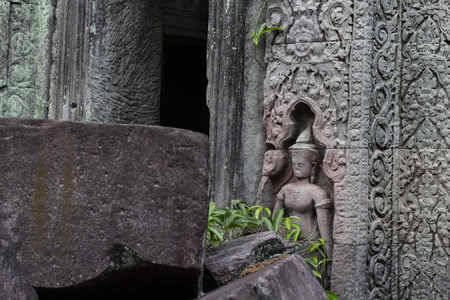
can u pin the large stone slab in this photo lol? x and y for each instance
(289, 278)
(77, 198)
(13, 285)
(234, 256)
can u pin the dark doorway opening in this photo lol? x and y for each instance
(184, 83)
(183, 90)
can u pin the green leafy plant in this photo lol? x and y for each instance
(259, 32)
(227, 224)
(318, 266)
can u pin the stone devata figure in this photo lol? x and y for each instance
(307, 200)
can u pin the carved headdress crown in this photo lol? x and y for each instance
(306, 150)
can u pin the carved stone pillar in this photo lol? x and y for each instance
(69, 89)
(125, 79)
(421, 159)
(107, 61)
(234, 95)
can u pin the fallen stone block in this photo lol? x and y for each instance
(288, 278)
(13, 285)
(75, 198)
(234, 256)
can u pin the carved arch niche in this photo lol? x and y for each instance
(299, 121)
(307, 67)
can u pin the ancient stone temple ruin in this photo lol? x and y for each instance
(346, 124)
(365, 83)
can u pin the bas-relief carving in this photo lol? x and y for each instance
(276, 172)
(423, 224)
(308, 63)
(25, 34)
(423, 199)
(307, 95)
(306, 200)
(296, 60)
(381, 266)
(379, 258)
(408, 256)
(425, 78)
(311, 203)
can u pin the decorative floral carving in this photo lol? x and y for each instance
(425, 115)
(336, 21)
(424, 223)
(423, 220)
(425, 93)
(308, 63)
(383, 132)
(380, 215)
(24, 29)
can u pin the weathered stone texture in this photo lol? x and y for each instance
(349, 260)
(233, 257)
(84, 189)
(234, 94)
(71, 55)
(4, 36)
(127, 58)
(289, 278)
(107, 61)
(26, 29)
(13, 283)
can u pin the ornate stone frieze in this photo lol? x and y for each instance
(425, 78)
(423, 207)
(381, 210)
(25, 30)
(308, 88)
(308, 63)
(423, 224)
(384, 134)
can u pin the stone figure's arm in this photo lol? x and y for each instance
(278, 205)
(324, 211)
(280, 201)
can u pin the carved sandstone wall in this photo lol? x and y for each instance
(375, 76)
(311, 68)
(25, 34)
(409, 201)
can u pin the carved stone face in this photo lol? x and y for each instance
(337, 15)
(275, 18)
(302, 166)
(274, 162)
